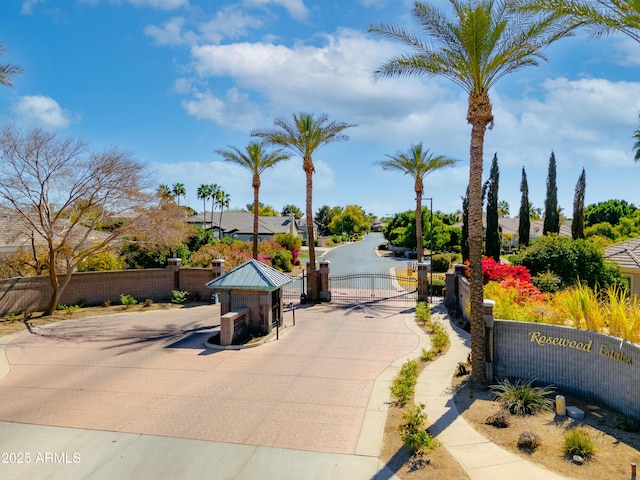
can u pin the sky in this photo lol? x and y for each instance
(173, 81)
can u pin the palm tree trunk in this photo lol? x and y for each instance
(256, 203)
(419, 251)
(312, 284)
(478, 376)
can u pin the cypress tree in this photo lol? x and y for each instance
(492, 237)
(524, 223)
(464, 241)
(551, 215)
(577, 224)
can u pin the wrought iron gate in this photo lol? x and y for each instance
(292, 291)
(372, 287)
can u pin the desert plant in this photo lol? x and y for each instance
(69, 309)
(578, 442)
(178, 296)
(528, 441)
(522, 398)
(413, 433)
(127, 300)
(106, 303)
(148, 302)
(498, 419)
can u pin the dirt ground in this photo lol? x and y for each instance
(16, 323)
(616, 449)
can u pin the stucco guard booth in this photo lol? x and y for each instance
(250, 298)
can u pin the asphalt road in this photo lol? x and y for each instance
(361, 257)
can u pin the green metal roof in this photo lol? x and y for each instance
(251, 275)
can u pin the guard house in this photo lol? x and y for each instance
(256, 287)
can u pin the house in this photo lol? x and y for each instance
(627, 256)
(509, 227)
(239, 225)
(16, 234)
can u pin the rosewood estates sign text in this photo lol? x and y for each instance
(544, 341)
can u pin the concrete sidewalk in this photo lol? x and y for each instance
(481, 459)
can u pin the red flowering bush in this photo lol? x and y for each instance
(493, 271)
(524, 291)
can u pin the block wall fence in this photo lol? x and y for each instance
(94, 288)
(594, 365)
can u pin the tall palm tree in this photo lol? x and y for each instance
(178, 190)
(417, 163)
(304, 135)
(7, 71)
(255, 159)
(164, 192)
(203, 193)
(600, 17)
(213, 196)
(484, 41)
(223, 200)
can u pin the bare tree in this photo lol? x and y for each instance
(62, 193)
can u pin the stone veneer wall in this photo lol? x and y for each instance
(591, 364)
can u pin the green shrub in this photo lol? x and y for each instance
(440, 263)
(578, 442)
(179, 297)
(522, 398)
(440, 339)
(423, 313)
(428, 355)
(413, 433)
(571, 260)
(437, 287)
(282, 260)
(127, 300)
(547, 282)
(404, 384)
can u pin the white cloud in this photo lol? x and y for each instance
(206, 106)
(42, 111)
(157, 4)
(170, 33)
(335, 78)
(295, 8)
(27, 6)
(229, 22)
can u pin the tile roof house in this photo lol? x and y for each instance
(239, 225)
(510, 226)
(16, 234)
(627, 256)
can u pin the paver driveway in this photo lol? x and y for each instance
(148, 373)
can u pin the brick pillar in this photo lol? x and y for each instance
(423, 281)
(487, 312)
(217, 267)
(175, 264)
(323, 271)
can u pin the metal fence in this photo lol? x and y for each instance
(372, 287)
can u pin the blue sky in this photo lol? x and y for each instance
(175, 80)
